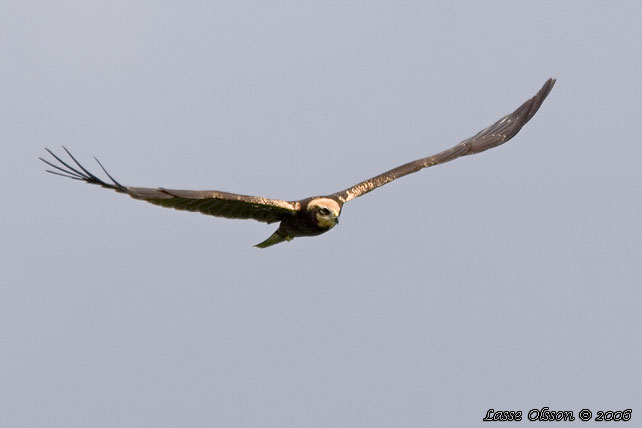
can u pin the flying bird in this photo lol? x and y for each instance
(310, 216)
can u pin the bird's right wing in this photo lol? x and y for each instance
(496, 134)
(210, 202)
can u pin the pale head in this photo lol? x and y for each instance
(326, 211)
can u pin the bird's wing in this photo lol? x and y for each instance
(210, 202)
(493, 136)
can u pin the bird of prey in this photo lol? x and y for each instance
(310, 216)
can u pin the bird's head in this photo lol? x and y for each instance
(325, 212)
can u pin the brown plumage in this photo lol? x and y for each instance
(309, 216)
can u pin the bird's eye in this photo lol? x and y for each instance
(324, 211)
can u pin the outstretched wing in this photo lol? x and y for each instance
(210, 202)
(493, 136)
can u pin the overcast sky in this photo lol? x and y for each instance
(506, 280)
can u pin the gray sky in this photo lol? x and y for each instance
(506, 280)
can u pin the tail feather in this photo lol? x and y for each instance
(275, 238)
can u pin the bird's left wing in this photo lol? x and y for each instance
(210, 202)
(496, 134)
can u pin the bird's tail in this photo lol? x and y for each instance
(275, 238)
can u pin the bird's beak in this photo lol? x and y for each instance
(336, 220)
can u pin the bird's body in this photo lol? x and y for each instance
(317, 215)
(310, 216)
